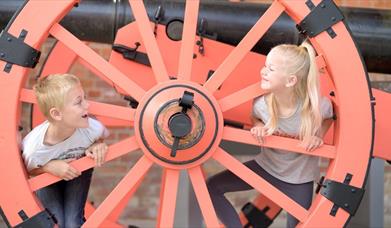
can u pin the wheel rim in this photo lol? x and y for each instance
(355, 138)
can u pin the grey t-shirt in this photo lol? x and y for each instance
(288, 166)
(36, 153)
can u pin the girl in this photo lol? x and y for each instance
(291, 107)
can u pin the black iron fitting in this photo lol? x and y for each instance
(43, 219)
(14, 50)
(180, 123)
(255, 216)
(343, 195)
(132, 102)
(132, 53)
(157, 18)
(321, 18)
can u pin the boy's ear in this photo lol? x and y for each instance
(55, 114)
(292, 80)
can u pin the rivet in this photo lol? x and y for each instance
(346, 205)
(9, 39)
(322, 5)
(333, 19)
(2, 54)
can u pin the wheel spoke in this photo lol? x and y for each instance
(116, 150)
(188, 37)
(149, 40)
(203, 198)
(127, 184)
(240, 97)
(96, 108)
(278, 142)
(260, 184)
(95, 71)
(95, 60)
(248, 42)
(168, 195)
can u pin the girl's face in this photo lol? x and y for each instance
(75, 111)
(273, 74)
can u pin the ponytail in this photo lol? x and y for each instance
(311, 116)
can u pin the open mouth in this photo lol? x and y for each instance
(84, 116)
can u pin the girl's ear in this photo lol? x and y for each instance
(55, 114)
(292, 80)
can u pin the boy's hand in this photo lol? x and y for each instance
(313, 143)
(97, 151)
(62, 169)
(259, 132)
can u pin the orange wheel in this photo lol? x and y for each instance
(184, 108)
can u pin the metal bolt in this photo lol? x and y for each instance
(346, 205)
(333, 19)
(8, 66)
(9, 39)
(353, 190)
(322, 5)
(2, 54)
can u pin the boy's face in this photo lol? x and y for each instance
(75, 111)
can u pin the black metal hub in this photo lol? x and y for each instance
(180, 123)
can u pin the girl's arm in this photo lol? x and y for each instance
(325, 127)
(258, 130)
(316, 141)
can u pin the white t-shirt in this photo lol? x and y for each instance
(288, 166)
(36, 153)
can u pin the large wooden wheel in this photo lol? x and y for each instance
(194, 113)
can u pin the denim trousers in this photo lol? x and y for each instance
(66, 199)
(226, 181)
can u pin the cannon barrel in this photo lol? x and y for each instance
(228, 22)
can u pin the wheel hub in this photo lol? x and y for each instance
(178, 123)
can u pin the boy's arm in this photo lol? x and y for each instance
(59, 168)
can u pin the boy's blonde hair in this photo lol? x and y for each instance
(300, 61)
(51, 91)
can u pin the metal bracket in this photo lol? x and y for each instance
(15, 51)
(202, 34)
(342, 195)
(132, 102)
(256, 217)
(157, 18)
(43, 219)
(321, 18)
(132, 53)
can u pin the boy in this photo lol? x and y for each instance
(67, 135)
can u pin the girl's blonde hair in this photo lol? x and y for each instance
(51, 91)
(300, 61)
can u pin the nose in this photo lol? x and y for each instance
(263, 71)
(86, 104)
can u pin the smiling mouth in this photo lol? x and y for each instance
(84, 116)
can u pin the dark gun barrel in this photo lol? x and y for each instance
(228, 22)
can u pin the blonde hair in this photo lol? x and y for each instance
(51, 91)
(300, 61)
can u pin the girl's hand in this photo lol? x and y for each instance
(97, 151)
(62, 169)
(313, 143)
(259, 132)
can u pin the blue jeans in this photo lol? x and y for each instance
(226, 181)
(66, 199)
